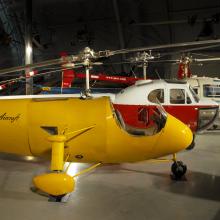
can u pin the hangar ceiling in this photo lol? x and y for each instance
(71, 25)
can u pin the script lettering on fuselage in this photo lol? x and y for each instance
(5, 117)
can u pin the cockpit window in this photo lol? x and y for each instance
(195, 96)
(188, 99)
(177, 96)
(156, 95)
(211, 91)
(158, 119)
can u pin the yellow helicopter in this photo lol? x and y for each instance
(84, 129)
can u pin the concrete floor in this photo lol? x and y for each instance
(126, 191)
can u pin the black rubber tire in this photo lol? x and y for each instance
(56, 198)
(178, 169)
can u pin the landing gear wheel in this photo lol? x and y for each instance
(56, 198)
(178, 169)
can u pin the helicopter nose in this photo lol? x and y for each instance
(176, 137)
(184, 137)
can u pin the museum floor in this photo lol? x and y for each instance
(126, 191)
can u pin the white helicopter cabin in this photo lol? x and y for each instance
(207, 88)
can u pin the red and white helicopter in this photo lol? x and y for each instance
(137, 103)
(177, 96)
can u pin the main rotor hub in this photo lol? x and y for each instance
(87, 54)
(186, 59)
(143, 57)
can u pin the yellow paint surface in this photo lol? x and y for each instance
(22, 131)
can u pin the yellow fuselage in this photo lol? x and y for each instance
(24, 123)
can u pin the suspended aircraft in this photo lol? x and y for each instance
(85, 129)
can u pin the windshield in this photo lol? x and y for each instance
(195, 96)
(211, 91)
(158, 121)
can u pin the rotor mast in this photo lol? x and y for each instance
(87, 55)
(143, 59)
(145, 70)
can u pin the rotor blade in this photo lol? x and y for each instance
(39, 64)
(199, 48)
(100, 54)
(35, 65)
(207, 59)
(97, 63)
(165, 46)
(202, 55)
(119, 63)
(141, 62)
(188, 50)
(164, 61)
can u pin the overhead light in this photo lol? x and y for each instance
(28, 49)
